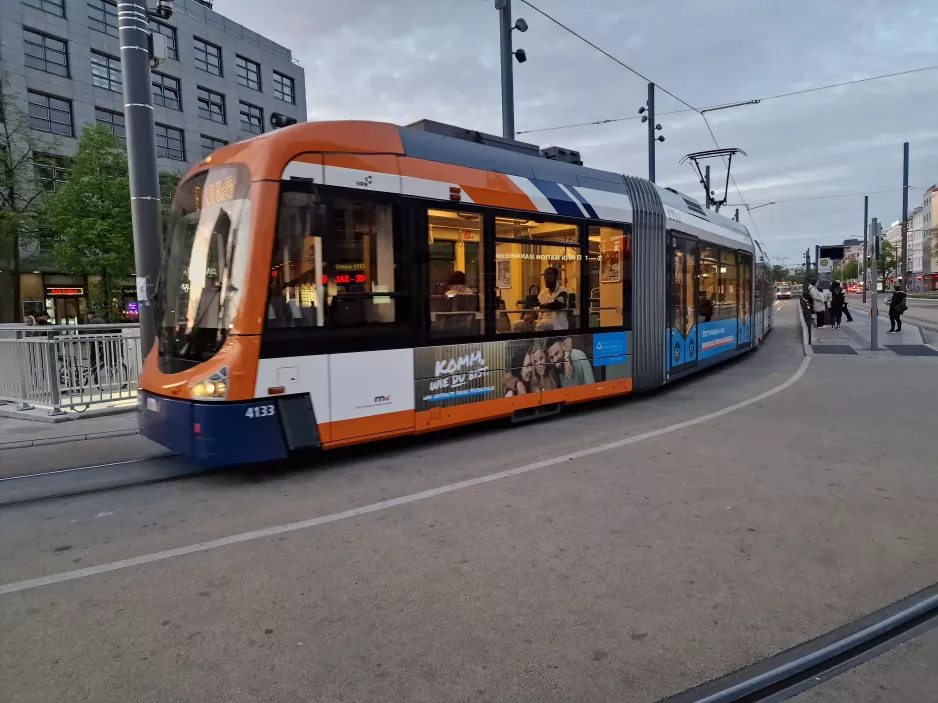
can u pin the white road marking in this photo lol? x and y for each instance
(393, 502)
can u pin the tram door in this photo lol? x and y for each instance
(682, 307)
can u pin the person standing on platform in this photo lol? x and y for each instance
(838, 304)
(897, 306)
(818, 302)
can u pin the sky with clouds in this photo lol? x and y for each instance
(403, 60)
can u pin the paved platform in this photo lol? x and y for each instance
(855, 338)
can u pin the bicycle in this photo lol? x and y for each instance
(75, 377)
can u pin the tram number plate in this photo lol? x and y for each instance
(260, 411)
(153, 405)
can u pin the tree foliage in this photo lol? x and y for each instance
(887, 262)
(851, 270)
(21, 199)
(780, 273)
(90, 214)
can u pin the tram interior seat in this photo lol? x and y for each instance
(455, 315)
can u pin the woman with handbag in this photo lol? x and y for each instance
(897, 306)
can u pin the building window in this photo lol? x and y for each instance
(166, 91)
(249, 73)
(252, 118)
(207, 57)
(210, 144)
(53, 7)
(45, 53)
(341, 272)
(284, 88)
(170, 34)
(103, 16)
(106, 72)
(537, 272)
(457, 291)
(51, 171)
(114, 121)
(212, 106)
(48, 113)
(170, 142)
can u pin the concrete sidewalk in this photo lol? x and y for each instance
(19, 434)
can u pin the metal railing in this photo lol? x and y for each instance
(69, 367)
(808, 315)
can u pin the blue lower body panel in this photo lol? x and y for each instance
(214, 434)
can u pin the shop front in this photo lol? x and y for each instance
(72, 300)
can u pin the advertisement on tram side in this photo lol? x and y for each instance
(716, 337)
(460, 374)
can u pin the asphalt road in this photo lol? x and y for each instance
(604, 569)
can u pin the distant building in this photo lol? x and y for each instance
(62, 57)
(930, 239)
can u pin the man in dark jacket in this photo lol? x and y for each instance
(897, 306)
(838, 303)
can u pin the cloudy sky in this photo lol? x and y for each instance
(402, 60)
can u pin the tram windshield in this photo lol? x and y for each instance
(204, 265)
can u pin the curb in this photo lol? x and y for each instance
(41, 414)
(49, 441)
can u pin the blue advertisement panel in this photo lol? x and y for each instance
(744, 335)
(610, 348)
(717, 337)
(681, 349)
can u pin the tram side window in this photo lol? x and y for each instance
(456, 287)
(332, 267)
(709, 284)
(727, 302)
(745, 285)
(610, 277)
(537, 275)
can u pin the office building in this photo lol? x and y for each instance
(219, 85)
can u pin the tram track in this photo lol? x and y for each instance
(95, 478)
(813, 663)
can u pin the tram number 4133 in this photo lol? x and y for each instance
(260, 411)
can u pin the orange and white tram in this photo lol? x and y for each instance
(335, 283)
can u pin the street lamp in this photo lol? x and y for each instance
(508, 88)
(652, 128)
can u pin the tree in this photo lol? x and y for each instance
(21, 200)
(168, 182)
(780, 273)
(851, 270)
(887, 262)
(90, 215)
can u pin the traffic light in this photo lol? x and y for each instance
(278, 120)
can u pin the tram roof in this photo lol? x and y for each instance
(267, 155)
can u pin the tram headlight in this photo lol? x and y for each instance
(215, 387)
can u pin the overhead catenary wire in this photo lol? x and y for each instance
(701, 111)
(607, 54)
(789, 94)
(827, 197)
(645, 78)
